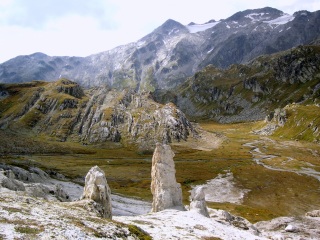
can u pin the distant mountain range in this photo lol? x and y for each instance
(173, 52)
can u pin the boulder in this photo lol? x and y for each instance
(166, 191)
(198, 202)
(61, 194)
(291, 228)
(7, 181)
(314, 213)
(97, 189)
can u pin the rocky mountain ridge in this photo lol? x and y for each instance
(251, 91)
(172, 52)
(63, 111)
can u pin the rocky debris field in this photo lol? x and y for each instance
(31, 207)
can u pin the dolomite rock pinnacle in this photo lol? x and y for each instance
(198, 202)
(166, 191)
(96, 189)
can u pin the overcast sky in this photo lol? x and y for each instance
(84, 27)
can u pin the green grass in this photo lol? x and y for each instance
(142, 235)
(27, 230)
(303, 123)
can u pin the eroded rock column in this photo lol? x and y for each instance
(97, 189)
(166, 191)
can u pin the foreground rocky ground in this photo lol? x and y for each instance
(34, 209)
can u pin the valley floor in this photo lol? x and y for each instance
(256, 177)
(29, 217)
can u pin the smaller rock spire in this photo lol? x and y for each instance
(198, 202)
(97, 189)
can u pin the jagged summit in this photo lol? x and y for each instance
(170, 27)
(261, 13)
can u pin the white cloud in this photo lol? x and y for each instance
(69, 36)
(81, 28)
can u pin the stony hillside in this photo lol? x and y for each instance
(250, 92)
(172, 52)
(295, 122)
(63, 111)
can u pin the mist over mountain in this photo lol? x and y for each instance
(165, 58)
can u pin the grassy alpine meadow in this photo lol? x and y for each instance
(276, 186)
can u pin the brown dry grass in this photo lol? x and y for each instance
(272, 193)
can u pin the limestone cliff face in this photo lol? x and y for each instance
(64, 111)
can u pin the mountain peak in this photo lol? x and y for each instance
(263, 13)
(38, 54)
(170, 26)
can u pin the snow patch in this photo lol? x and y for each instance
(140, 43)
(281, 20)
(210, 50)
(255, 17)
(173, 31)
(200, 27)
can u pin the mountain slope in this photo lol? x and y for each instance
(62, 111)
(166, 57)
(250, 92)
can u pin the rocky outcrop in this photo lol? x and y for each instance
(279, 116)
(252, 91)
(229, 219)
(166, 191)
(27, 217)
(274, 120)
(289, 228)
(32, 175)
(97, 189)
(33, 182)
(7, 180)
(295, 122)
(198, 201)
(132, 118)
(101, 115)
(69, 87)
(314, 213)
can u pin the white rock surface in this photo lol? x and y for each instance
(291, 228)
(223, 189)
(175, 224)
(97, 189)
(166, 191)
(198, 202)
(7, 181)
(295, 228)
(25, 217)
(42, 219)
